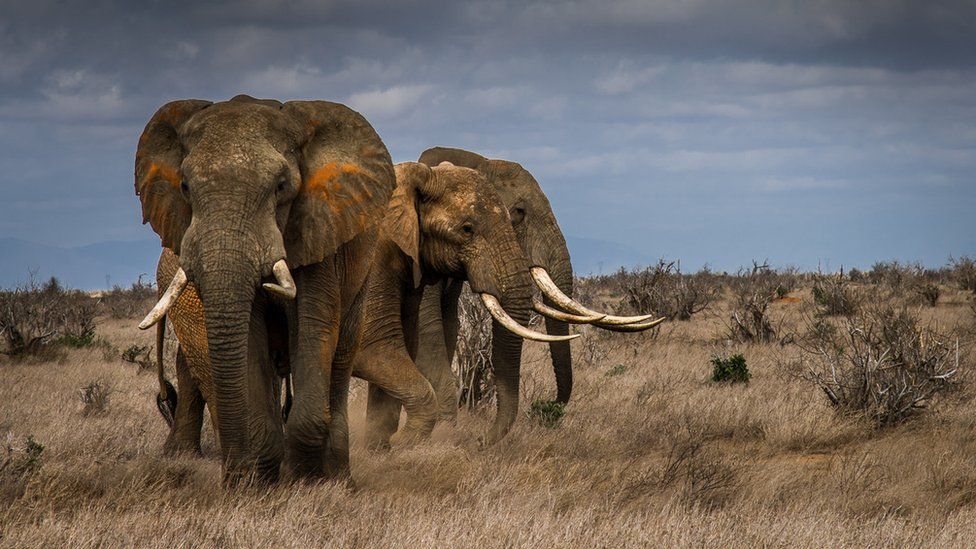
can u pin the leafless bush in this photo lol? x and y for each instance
(17, 465)
(894, 274)
(665, 291)
(94, 397)
(753, 291)
(929, 293)
(33, 318)
(134, 301)
(472, 361)
(141, 356)
(834, 294)
(880, 364)
(962, 272)
(699, 478)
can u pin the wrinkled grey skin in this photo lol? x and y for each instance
(544, 246)
(233, 187)
(450, 223)
(445, 222)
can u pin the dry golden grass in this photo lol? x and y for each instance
(653, 455)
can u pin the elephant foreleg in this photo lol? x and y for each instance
(433, 360)
(188, 420)
(394, 379)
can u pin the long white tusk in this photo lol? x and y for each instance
(549, 288)
(548, 311)
(286, 285)
(636, 327)
(169, 297)
(499, 314)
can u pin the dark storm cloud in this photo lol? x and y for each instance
(696, 126)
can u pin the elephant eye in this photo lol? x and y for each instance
(281, 185)
(518, 214)
(467, 229)
(184, 188)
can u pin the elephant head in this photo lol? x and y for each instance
(545, 248)
(245, 191)
(451, 223)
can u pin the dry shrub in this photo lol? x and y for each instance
(131, 302)
(34, 319)
(895, 274)
(472, 361)
(94, 398)
(929, 293)
(692, 473)
(880, 364)
(962, 272)
(753, 291)
(834, 295)
(665, 291)
(17, 465)
(141, 356)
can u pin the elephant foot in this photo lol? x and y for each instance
(408, 436)
(175, 446)
(377, 443)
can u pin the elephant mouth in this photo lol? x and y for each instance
(284, 287)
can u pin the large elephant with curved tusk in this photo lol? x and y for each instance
(268, 212)
(443, 222)
(544, 246)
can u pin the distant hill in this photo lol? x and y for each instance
(592, 256)
(91, 267)
(102, 265)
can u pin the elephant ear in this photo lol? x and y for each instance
(159, 157)
(347, 180)
(402, 221)
(459, 157)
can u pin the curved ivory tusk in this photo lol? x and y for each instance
(169, 297)
(549, 288)
(636, 327)
(548, 311)
(499, 314)
(286, 285)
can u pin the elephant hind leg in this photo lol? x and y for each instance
(184, 437)
(394, 379)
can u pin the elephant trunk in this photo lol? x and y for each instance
(515, 288)
(562, 359)
(227, 288)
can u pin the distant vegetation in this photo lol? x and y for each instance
(855, 424)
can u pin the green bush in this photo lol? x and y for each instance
(730, 370)
(548, 412)
(617, 370)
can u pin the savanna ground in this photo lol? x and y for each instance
(649, 452)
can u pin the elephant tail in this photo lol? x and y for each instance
(166, 398)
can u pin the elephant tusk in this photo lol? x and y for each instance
(636, 327)
(286, 285)
(167, 300)
(499, 314)
(549, 288)
(548, 311)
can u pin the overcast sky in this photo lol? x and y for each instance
(806, 132)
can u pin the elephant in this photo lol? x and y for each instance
(270, 210)
(441, 222)
(544, 245)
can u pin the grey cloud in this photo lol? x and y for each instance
(675, 119)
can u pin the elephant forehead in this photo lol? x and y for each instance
(215, 159)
